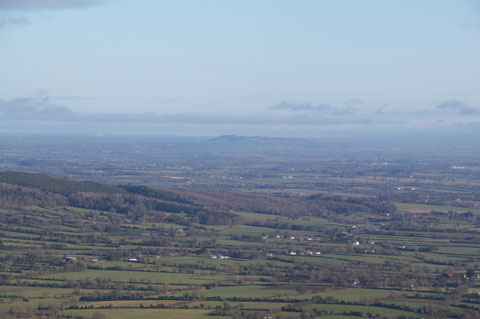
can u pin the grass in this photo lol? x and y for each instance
(355, 294)
(252, 291)
(180, 269)
(363, 309)
(130, 276)
(148, 313)
(406, 207)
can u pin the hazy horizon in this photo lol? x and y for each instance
(273, 68)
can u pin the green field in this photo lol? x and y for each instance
(178, 254)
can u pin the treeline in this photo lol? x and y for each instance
(25, 189)
(54, 184)
(140, 202)
(292, 206)
(14, 196)
(456, 199)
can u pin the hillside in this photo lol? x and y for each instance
(103, 251)
(211, 207)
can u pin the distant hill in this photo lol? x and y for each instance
(255, 139)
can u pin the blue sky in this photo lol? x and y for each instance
(340, 62)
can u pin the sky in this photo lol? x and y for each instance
(270, 67)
